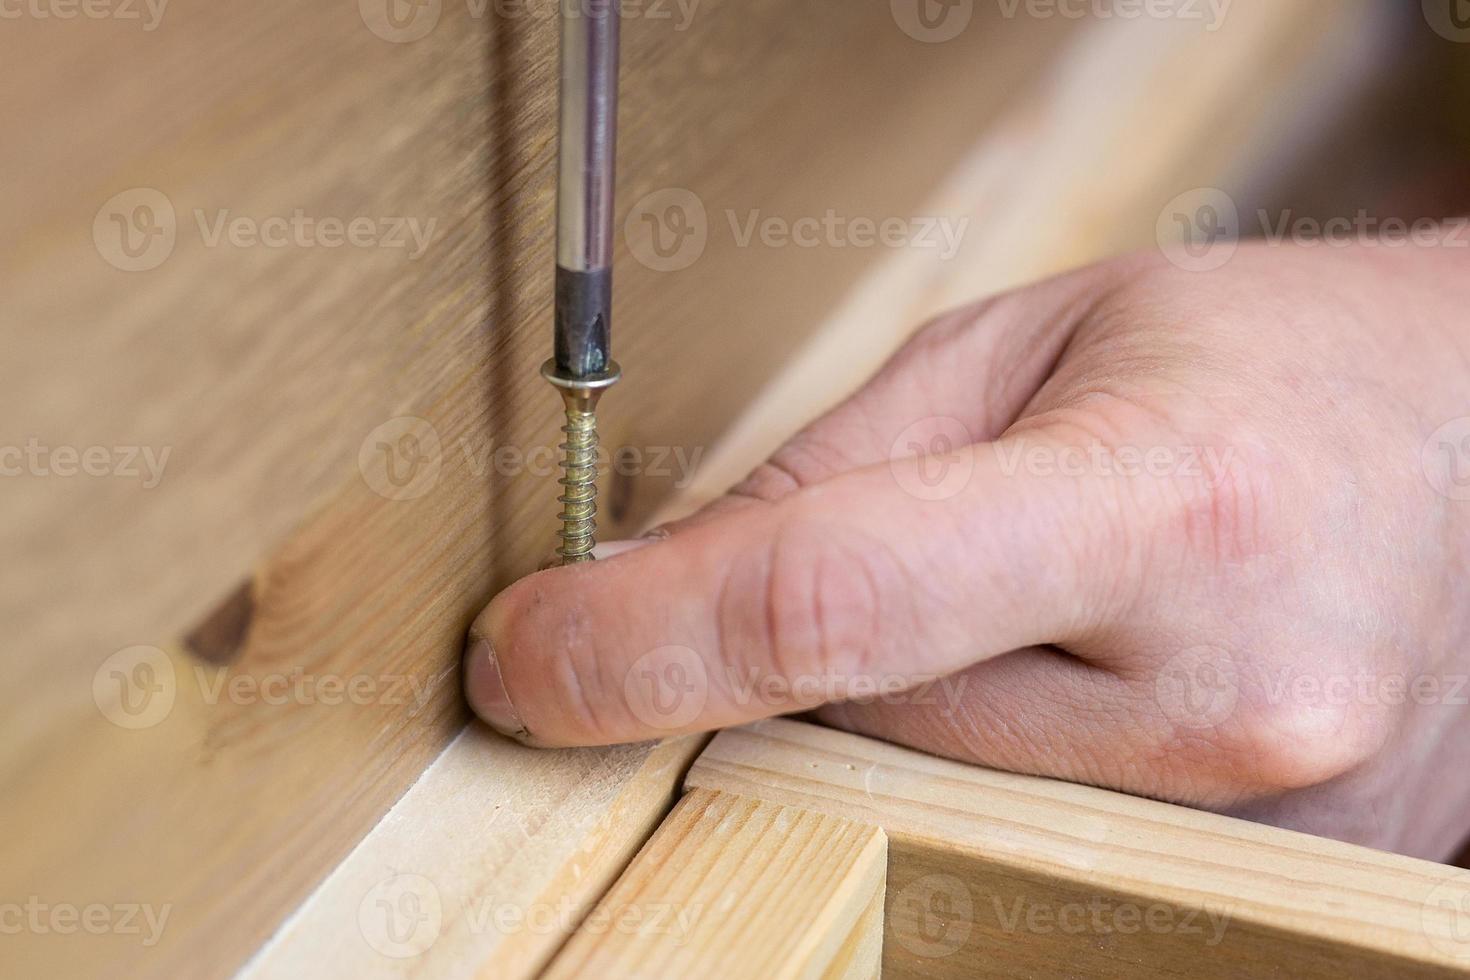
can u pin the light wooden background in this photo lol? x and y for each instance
(272, 549)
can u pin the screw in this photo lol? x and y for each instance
(579, 458)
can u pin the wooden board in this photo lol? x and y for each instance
(997, 875)
(276, 546)
(486, 865)
(1082, 168)
(738, 888)
(223, 681)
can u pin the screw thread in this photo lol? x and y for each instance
(579, 494)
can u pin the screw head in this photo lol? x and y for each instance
(581, 393)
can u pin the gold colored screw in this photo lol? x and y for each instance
(579, 458)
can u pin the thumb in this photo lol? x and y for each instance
(866, 585)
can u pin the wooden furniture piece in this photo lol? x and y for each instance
(289, 544)
(789, 835)
(996, 875)
(733, 886)
(235, 696)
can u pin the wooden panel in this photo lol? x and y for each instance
(300, 614)
(861, 957)
(489, 861)
(267, 372)
(738, 888)
(997, 875)
(1082, 168)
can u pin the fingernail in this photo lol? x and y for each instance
(486, 690)
(611, 549)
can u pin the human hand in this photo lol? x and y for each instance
(1181, 535)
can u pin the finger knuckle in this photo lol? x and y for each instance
(1294, 747)
(800, 463)
(815, 609)
(1232, 511)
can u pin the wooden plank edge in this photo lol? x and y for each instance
(737, 887)
(1036, 877)
(488, 863)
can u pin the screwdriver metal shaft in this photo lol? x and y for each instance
(582, 367)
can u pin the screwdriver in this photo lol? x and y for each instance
(582, 367)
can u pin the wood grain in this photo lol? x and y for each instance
(1081, 168)
(739, 888)
(499, 850)
(266, 373)
(998, 875)
(300, 623)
